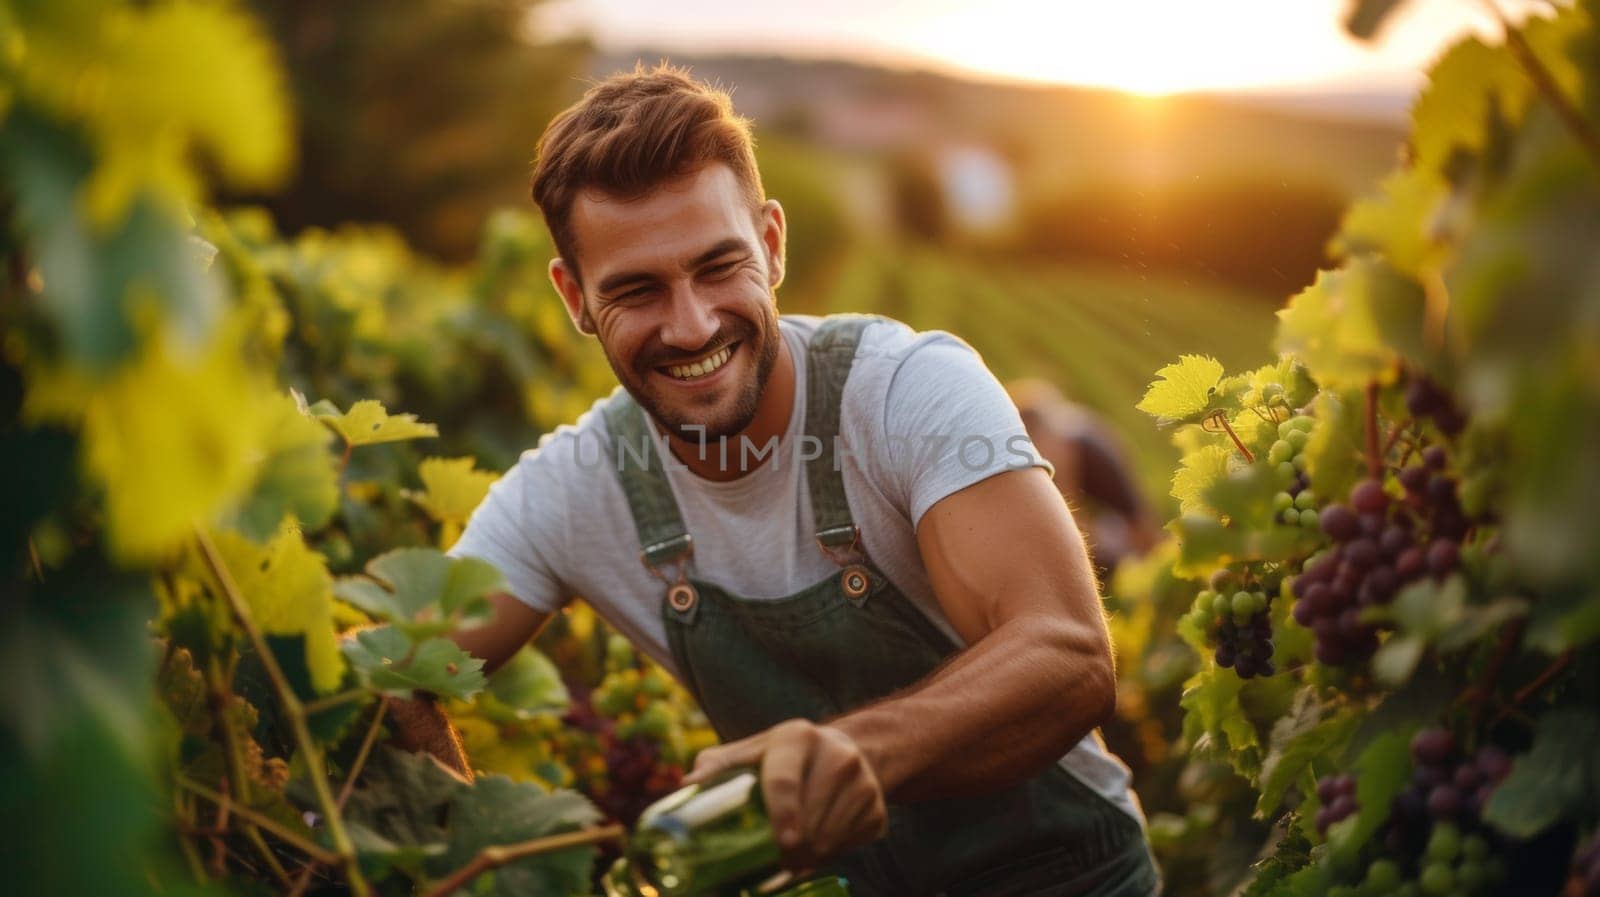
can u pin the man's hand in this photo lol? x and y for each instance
(822, 795)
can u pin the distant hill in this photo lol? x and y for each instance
(1055, 136)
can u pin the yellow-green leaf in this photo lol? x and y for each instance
(289, 592)
(1196, 472)
(173, 440)
(368, 423)
(1346, 326)
(151, 84)
(1184, 389)
(452, 489)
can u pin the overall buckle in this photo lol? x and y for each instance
(681, 594)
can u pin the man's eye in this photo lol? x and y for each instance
(636, 293)
(722, 269)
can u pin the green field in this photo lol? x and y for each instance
(1098, 334)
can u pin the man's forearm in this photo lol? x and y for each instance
(994, 714)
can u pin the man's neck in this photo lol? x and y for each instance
(727, 459)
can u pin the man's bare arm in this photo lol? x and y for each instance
(1009, 569)
(511, 625)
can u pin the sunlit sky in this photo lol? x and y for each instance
(1144, 46)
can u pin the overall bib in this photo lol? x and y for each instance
(848, 640)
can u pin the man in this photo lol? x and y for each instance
(1091, 472)
(850, 554)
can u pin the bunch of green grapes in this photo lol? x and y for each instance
(1234, 612)
(1296, 505)
(1435, 842)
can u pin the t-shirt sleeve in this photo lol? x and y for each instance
(949, 423)
(518, 527)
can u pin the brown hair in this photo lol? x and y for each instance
(631, 132)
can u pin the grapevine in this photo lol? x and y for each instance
(1385, 612)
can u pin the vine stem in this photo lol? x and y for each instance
(292, 709)
(219, 695)
(1394, 437)
(1221, 419)
(226, 804)
(1480, 691)
(33, 555)
(332, 701)
(498, 855)
(303, 876)
(1540, 681)
(1546, 84)
(1374, 460)
(361, 755)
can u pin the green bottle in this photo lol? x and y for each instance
(708, 839)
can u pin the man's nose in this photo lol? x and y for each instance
(691, 320)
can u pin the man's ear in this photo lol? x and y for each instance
(774, 240)
(566, 283)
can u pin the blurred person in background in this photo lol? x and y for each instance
(1092, 472)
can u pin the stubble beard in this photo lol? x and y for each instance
(691, 424)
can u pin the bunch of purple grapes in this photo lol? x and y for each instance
(1338, 796)
(1436, 821)
(636, 778)
(1426, 399)
(1380, 546)
(1235, 612)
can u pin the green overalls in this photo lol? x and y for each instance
(846, 641)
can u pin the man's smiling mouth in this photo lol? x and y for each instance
(705, 366)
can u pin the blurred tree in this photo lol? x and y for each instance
(421, 113)
(1263, 234)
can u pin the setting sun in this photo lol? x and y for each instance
(1152, 47)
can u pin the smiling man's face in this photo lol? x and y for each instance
(678, 287)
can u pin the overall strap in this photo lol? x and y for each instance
(832, 351)
(662, 536)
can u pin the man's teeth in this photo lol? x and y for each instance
(702, 367)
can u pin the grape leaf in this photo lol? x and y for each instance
(1335, 453)
(1344, 327)
(286, 586)
(1205, 543)
(423, 590)
(368, 423)
(1382, 770)
(1559, 776)
(526, 686)
(297, 475)
(1398, 222)
(1437, 613)
(92, 275)
(1196, 472)
(1473, 78)
(402, 796)
(164, 461)
(155, 112)
(452, 490)
(1185, 389)
(391, 661)
(497, 810)
(1213, 715)
(1311, 731)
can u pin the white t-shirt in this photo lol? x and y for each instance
(921, 417)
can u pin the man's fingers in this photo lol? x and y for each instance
(783, 773)
(712, 760)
